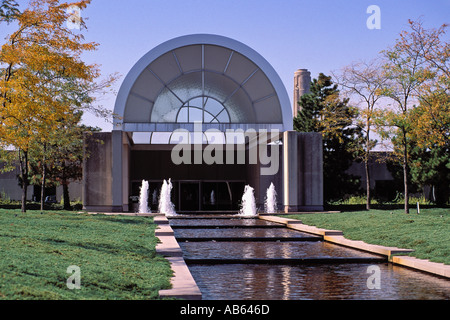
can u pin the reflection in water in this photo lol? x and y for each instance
(274, 250)
(221, 222)
(318, 282)
(242, 233)
(293, 282)
(286, 276)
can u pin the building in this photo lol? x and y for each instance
(212, 115)
(10, 189)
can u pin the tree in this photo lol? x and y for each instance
(431, 118)
(406, 71)
(61, 157)
(417, 70)
(8, 10)
(43, 79)
(431, 167)
(431, 121)
(323, 111)
(364, 81)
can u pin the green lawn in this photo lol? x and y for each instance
(115, 254)
(427, 233)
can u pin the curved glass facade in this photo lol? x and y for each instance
(206, 83)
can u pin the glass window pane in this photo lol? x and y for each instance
(213, 106)
(183, 115)
(195, 114)
(223, 117)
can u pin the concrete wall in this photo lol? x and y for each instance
(303, 171)
(9, 187)
(75, 191)
(97, 172)
(377, 168)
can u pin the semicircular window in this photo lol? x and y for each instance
(203, 109)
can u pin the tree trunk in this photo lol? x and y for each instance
(23, 161)
(366, 165)
(405, 171)
(65, 184)
(66, 197)
(405, 181)
(24, 197)
(44, 172)
(43, 188)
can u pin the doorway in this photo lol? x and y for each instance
(193, 195)
(189, 196)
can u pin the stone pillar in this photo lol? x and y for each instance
(302, 171)
(117, 171)
(106, 172)
(290, 174)
(126, 174)
(302, 85)
(97, 173)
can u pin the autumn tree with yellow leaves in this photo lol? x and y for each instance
(430, 119)
(417, 122)
(43, 80)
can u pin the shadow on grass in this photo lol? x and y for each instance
(113, 248)
(362, 207)
(130, 220)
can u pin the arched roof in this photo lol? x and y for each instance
(209, 78)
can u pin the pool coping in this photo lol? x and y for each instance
(395, 255)
(183, 283)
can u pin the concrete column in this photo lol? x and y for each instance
(126, 174)
(290, 171)
(302, 171)
(97, 173)
(302, 84)
(317, 172)
(311, 193)
(117, 171)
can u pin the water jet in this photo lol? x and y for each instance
(165, 204)
(143, 198)
(248, 205)
(270, 205)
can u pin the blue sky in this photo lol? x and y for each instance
(321, 35)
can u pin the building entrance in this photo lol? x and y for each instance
(189, 196)
(194, 196)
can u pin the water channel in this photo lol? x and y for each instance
(232, 258)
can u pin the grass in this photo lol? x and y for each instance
(115, 254)
(428, 233)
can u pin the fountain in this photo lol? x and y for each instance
(270, 205)
(155, 197)
(143, 199)
(248, 206)
(165, 204)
